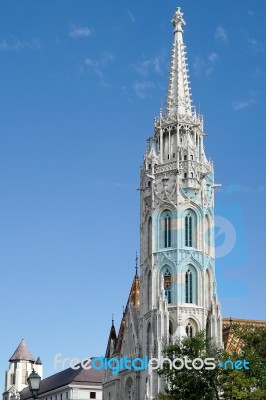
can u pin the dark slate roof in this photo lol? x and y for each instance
(78, 376)
(112, 340)
(22, 353)
(38, 361)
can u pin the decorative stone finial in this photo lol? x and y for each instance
(178, 21)
(136, 266)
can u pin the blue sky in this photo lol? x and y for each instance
(81, 82)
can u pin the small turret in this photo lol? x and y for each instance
(21, 364)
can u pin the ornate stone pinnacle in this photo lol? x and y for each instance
(178, 21)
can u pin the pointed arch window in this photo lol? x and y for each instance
(208, 234)
(208, 294)
(149, 291)
(149, 236)
(171, 331)
(149, 339)
(129, 389)
(188, 230)
(167, 280)
(189, 286)
(167, 230)
(189, 330)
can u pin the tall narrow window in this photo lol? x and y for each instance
(167, 230)
(149, 339)
(208, 294)
(24, 376)
(129, 390)
(171, 332)
(208, 235)
(167, 286)
(12, 379)
(189, 330)
(149, 236)
(188, 230)
(189, 288)
(149, 292)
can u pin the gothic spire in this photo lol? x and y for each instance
(178, 98)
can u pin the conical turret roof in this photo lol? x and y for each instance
(22, 353)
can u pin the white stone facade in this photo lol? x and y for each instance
(178, 295)
(17, 374)
(73, 392)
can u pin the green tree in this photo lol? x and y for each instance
(225, 381)
(191, 383)
(247, 383)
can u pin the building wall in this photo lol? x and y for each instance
(17, 374)
(74, 392)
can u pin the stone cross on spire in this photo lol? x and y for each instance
(178, 98)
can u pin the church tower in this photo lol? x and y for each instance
(178, 286)
(175, 295)
(21, 364)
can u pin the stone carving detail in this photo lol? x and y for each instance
(165, 189)
(169, 255)
(165, 167)
(191, 310)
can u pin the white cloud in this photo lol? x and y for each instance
(147, 66)
(206, 66)
(257, 47)
(131, 16)
(97, 66)
(106, 58)
(77, 32)
(212, 57)
(242, 104)
(17, 45)
(221, 34)
(198, 65)
(143, 89)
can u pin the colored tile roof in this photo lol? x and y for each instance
(231, 341)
